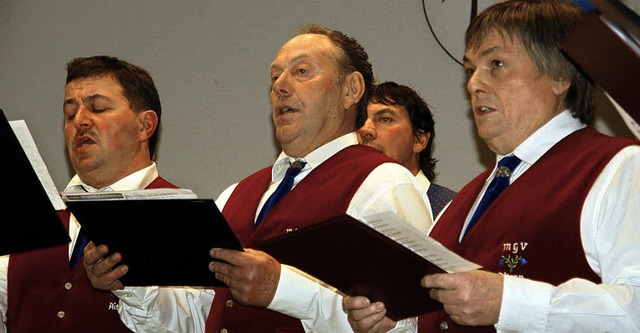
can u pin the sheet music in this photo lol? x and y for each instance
(155, 193)
(390, 225)
(31, 150)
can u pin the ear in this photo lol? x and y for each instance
(149, 122)
(560, 86)
(353, 89)
(420, 142)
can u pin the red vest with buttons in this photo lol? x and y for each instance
(44, 295)
(321, 195)
(532, 229)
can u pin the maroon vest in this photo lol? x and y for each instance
(323, 194)
(45, 295)
(532, 229)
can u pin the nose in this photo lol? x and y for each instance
(281, 86)
(367, 132)
(475, 84)
(83, 117)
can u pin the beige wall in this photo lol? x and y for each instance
(210, 61)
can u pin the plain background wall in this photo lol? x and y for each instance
(210, 62)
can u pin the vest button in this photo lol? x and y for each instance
(68, 286)
(224, 330)
(229, 303)
(60, 314)
(444, 326)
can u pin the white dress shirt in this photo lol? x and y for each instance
(135, 181)
(610, 234)
(423, 183)
(389, 187)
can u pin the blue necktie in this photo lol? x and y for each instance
(498, 184)
(81, 242)
(283, 188)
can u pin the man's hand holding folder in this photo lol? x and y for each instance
(152, 242)
(382, 258)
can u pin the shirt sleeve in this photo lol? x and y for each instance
(409, 325)
(389, 187)
(160, 309)
(4, 268)
(318, 306)
(610, 234)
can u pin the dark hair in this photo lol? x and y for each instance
(351, 57)
(391, 93)
(136, 82)
(542, 26)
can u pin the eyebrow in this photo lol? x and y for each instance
(293, 60)
(385, 110)
(87, 99)
(484, 53)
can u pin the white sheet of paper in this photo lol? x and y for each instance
(155, 193)
(392, 226)
(31, 150)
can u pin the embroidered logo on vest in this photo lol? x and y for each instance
(113, 306)
(512, 260)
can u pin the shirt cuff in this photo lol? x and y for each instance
(164, 310)
(294, 294)
(134, 296)
(409, 325)
(525, 305)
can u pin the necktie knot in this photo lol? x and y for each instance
(506, 166)
(295, 167)
(283, 188)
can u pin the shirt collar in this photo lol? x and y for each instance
(314, 158)
(422, 180)
(546, 137)
(135, 181)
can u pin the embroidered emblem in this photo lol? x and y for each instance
(503, 172)
(514, 247)
(114, 306)
(512, 262)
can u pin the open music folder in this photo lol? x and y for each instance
(28, 196)
(381, 257)
(164, 242)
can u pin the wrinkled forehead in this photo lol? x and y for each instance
(94, 84)
(379, 107)
(491, 36)
(305, 45)
(492, 42)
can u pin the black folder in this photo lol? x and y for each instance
(29, 220)
(164, 242)
(358, 260)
